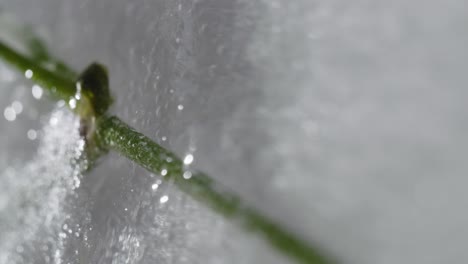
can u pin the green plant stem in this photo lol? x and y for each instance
(112, 133)
(117, 135)
(59, 87)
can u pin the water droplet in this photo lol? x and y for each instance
(10, 114)
(28, 74)
(163, 172)
(188, 159)
(32, 134)
(17, 106)
(187, 175)
(180, 107)
(72, 103)
(164, 199)
(37, 91)
(154, 186)
(164, 138)
(78, 91)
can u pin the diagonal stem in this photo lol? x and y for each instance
(118, 136)
(59, 87)
(112, 133)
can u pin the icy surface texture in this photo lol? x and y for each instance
(344, 120)
(38, 198)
